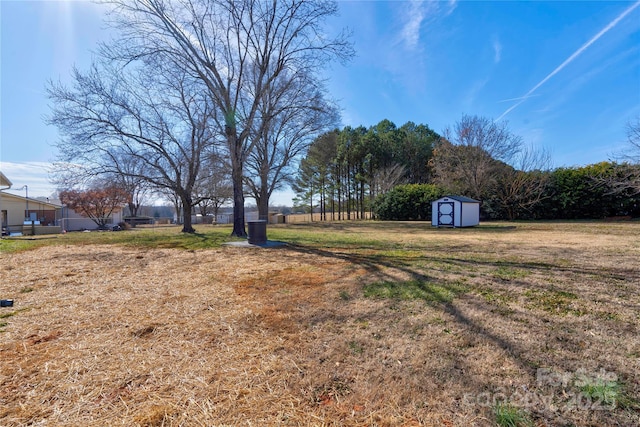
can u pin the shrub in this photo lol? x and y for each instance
(410, 202)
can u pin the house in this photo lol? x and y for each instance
(70, 220)
(32, 216)
(23, 215)
(27, 216)
(455, 211)
(5, 184)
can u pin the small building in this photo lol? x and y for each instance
(73, 221)
(28, 216)
(455, 211)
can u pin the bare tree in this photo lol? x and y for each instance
(76, 176)
(624, 179)
(296, 113)
(152, 116)
(66, 176)
(633, 137)
(520, 188)
(96, 203)
(175, 203)
(238, 49)
(465, 158)
(214, 188)
(628, 172)
(130, 170)
(388, 177)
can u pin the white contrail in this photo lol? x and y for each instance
(520, 98)
(573, 56)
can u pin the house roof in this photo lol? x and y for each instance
(462, 199)
(35, 201)
(4, 181)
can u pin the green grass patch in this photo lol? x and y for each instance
(415, 290)
(555, 302)
(11, 313)
(8, 315)
(204, 238)
(608, 315)
(356, 347)
(603, 392)
(509, 273)
(345, 295)
(337, 237)
(14, 245)
(500, 300)
(493, 297)
(507, 415)
(162, 237)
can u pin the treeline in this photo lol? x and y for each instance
(590, 192)
(345, 170)
(395, 172)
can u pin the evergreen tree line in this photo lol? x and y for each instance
(395, 173)
(345, 170)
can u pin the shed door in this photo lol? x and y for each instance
(445, 214)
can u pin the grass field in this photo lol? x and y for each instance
(348, 324)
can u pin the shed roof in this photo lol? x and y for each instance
(462, 199)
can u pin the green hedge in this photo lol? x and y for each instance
(408, 202)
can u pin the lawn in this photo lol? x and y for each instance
(348, 324)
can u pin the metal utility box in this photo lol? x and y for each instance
(257, 232)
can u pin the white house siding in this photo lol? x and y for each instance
(73, 221)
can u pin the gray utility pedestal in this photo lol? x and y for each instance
(257, 232)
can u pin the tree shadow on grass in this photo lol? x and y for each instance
(443, 294)
(433, 290)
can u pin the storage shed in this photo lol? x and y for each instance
(455, 211)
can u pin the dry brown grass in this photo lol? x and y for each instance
(110, 335)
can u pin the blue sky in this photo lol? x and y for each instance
(564, 74)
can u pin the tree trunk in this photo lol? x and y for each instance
(178, 208)
(100, 222)
(263, 203)
(187, 209)
(362, 199)
(238, 183)
(238, 204)
(133, 209)
(339, 196)
(349, 190)
(311, 201)
(323, 207)
(333, 204)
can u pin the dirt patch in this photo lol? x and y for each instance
(105, 335)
